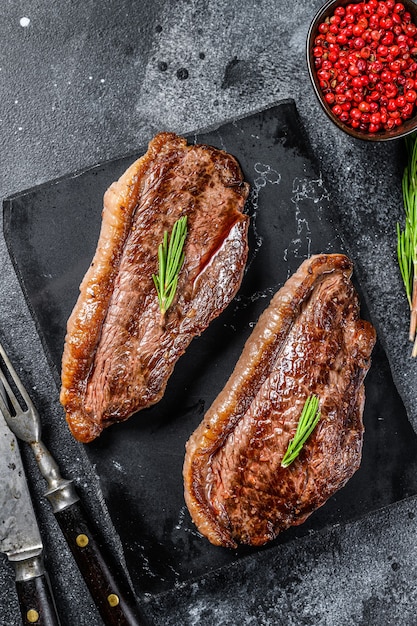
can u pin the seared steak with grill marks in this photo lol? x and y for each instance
(310, 340)
(118, 355)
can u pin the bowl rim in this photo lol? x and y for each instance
(407, 128)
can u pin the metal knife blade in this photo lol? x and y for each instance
(19, 533)
(20, 538)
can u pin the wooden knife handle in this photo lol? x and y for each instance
(110, 592)
(36, 602)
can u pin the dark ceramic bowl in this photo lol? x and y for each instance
(327, 10)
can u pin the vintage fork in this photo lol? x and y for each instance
(112, 595)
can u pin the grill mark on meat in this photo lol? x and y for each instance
(117, 357)
(309, 340)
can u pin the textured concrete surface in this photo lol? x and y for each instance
(83, 82)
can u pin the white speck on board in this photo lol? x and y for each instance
(118, 466)
(24, 22)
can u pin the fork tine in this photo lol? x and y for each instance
(19, 385)
(10, 397)
(4, 409)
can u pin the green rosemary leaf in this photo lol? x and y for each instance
(156, 283)
(162, 262)
(170, 293)
(176, 254)
(309, 419)
(170, 261)
(407, 236)
(404, 261)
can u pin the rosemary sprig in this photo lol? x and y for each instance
(309, 418)
(407, 238)
(170, 260)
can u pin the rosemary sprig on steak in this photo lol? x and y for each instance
(407, 238)
(170, 259)
(310, 416)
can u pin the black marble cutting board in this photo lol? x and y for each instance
(52, 231)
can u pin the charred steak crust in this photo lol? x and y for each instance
(117, 356)
(309, 340)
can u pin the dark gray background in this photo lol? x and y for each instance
(89, 81)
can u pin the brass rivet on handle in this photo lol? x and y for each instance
(32, 616)
(82, 540)
(113, 599)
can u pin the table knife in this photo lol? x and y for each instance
(20, 538)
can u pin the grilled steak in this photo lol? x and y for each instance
(118, 355)
(310, 340)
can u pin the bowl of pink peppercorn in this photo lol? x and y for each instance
(362, 61)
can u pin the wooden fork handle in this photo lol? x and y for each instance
(37, 605)
(114, 600)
